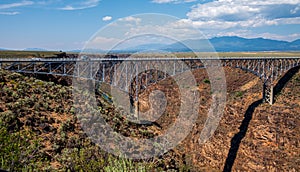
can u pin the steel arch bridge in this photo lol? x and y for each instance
(132, 75)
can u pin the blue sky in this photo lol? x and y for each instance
(68, 24)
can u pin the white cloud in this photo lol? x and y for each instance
(243, 13)
(241, 9)
(239, 17)
(295, 20)
(10, 13)
(69, 8)
(13, 5)
(294, 11)
(142, 29)
(244, 28)
(290, 37)
(266, 35)
(91, 2)
(107, 18)
(251, 23)
(81, 5)
(131, 19)
(219, 10)
(17, 4)
(103, 43)
(169, 30)
(172, 1)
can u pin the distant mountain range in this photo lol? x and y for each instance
(231, 44)
(35, 49)
(219, 44)
(256, 44)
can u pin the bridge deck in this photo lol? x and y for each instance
(138, 59)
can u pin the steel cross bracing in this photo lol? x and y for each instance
(133, 75)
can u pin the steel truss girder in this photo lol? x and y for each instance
(135, 75)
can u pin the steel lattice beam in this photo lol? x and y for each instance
(133, 75)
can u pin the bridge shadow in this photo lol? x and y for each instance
(284, 80)
(237, 138)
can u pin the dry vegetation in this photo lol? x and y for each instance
(40, 131)
(27, 54)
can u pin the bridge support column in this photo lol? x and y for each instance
(264, 92)
(271, 95)
(136, 110)
(268, 94)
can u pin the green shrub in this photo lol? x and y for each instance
(206, 81)
(18, 152)
(239, 94)
(91, 158)
(39, 82)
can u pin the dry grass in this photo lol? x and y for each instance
(27, 54)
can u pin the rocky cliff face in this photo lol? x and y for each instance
(252, 135)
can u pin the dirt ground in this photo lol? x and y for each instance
(252, 135)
